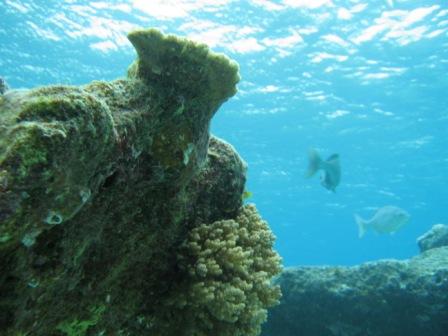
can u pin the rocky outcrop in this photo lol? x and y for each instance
(384, 298)
(109, 196)
(436, 237)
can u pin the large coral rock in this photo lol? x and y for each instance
(384, 298)
(100, 189)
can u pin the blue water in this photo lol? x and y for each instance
(365, 79)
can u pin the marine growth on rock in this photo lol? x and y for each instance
(117, 205)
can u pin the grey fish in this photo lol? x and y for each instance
(387, 219)
(331, 167)
(3, 86)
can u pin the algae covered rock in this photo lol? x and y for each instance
(101, 187)
(436, 237)
(218, 187)
(384, 298)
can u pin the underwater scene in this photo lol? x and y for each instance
(224, 167)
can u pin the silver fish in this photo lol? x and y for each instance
(331, 167)
(387, 219)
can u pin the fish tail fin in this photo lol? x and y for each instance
(314, 164)
(362, 226)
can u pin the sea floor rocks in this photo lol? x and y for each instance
(384, 298)
(100, 188)
(436, 237)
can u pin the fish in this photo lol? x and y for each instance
(331, 168)
(387, 219)
(247, 194)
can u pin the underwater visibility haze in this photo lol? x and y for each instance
(365, 80)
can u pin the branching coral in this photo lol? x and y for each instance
(225, 288)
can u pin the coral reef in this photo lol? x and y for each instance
(384, 298)
(436, 237)
(101, 189)
(227, 266)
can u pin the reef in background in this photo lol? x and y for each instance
(436, 237)
(384, 298)
(119, 215)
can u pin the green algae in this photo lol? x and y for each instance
(80, 327)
